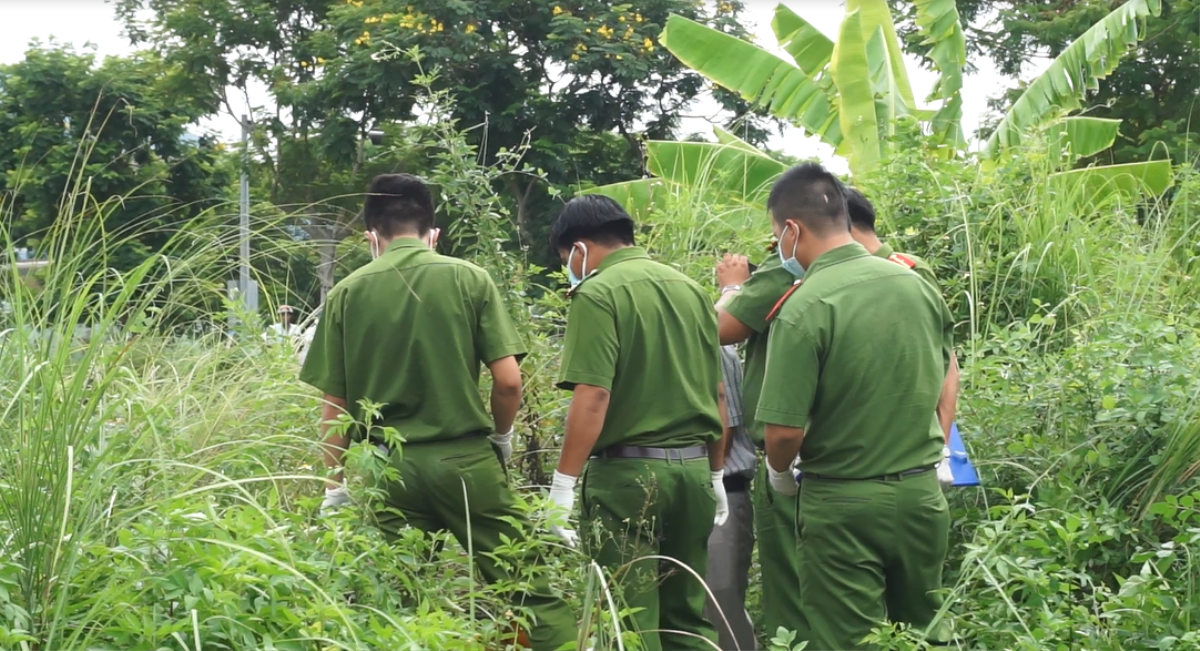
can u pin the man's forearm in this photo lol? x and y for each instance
(948, 400)
(334, 442)
(505, 404)
(717, 450)
(585, 420)
(783, 444)
(720, 447)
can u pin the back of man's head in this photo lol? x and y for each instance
(398, 204)
(862, 213)
(809, 194)
(592, 217)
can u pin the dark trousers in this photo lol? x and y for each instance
(730, 548)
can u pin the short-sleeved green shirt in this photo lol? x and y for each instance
(752, 306)
(411, 330)
(649, 335)
(921, 267)
(857, 357)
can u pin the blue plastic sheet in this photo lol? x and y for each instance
(960, 466)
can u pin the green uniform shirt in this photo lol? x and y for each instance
(648, 334)
(922, 267)
(410, 330)
(857, 357)
(751, 306)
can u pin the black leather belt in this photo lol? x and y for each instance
(896, 476)
(661, 454)
(736, 483)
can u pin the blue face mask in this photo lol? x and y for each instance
(572, 279)
(790, 264)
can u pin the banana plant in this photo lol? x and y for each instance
(1062, 88)
(851, 93)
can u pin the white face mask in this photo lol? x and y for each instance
(572, 279)
(373, 240)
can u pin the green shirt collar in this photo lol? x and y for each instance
(405, 243)
(885, 250)
(837, 256)
(622, 255)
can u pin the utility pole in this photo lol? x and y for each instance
(245, 287)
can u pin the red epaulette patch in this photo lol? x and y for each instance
(789, 292)
(900, 258)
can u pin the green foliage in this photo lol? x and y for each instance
(1153, 91)
(1078, 69)
(112, 133)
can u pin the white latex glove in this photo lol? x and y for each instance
(784, 482)
(718, 484)
(504, 442)
(945, 477)
(562, 502)
(335, 498)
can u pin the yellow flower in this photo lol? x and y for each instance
(648, 45)
(303, 64)
(574, 57)
(557, 11)
(618, 57)
(372, 20)
(621, 18)
(581, 47)
(470, 28)
(587, 31)
(637, 18)
(320, 61)
(628, 33)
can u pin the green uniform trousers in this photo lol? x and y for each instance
(637, 508)
(777, 529)
(870, 550)
(430, 496)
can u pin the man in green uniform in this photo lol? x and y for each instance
(745, 302)
(862, 228)
(410, 330)
(642, 359)
(857, 357)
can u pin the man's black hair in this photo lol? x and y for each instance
(594, 217)
(862, 213)
(398, 203)
(810, 194)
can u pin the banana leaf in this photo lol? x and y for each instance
(638, 197)
(1096, 185)
(727, 170)
(1064, 85)
(875, 14)
(940, 27)
(860, 126)
(807, 45)
(1084, 136)
(755, 74)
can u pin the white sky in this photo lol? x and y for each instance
(93, 21)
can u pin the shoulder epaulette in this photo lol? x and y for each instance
(900, 258)
(783, 299)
